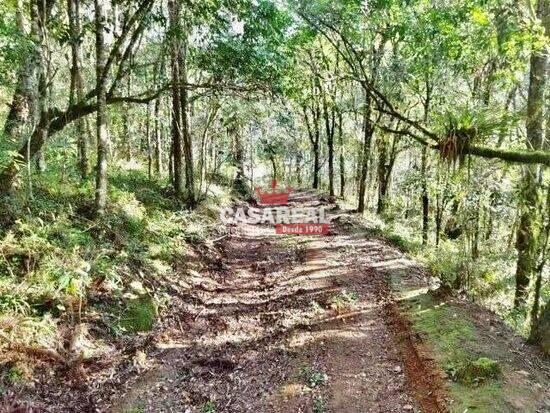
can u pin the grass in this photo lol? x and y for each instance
(476, 382)
(489, 279)
(474, 371)
(447, 337)
(402, 242)
(139, 314)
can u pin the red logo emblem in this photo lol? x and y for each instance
(274, 197)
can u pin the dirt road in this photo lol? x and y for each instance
(277, 323)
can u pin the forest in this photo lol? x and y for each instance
(421, 126)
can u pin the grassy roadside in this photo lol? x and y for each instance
(485, 372)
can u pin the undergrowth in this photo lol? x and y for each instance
(59, 265)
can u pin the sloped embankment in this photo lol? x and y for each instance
(487, 367)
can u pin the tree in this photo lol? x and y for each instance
(177, 126)
(185, 132)
(77, 82)
(101, 120)
(527, 242)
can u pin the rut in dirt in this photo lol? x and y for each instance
(276, 323)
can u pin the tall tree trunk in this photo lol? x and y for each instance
(342, 154)
(329, 115)
(23, 101)
(202, 163)
(314, 135)
(438, 209)
(298, 170)
(149, 143)
(42, 12)
(157, 136)
(368, 130)
(101, 124)
(425, 198)
(125, 144)
(527, 238)
(239, 183)
(185, 125)
(29, 99)
(535, 333)
(126, 132)
(177, 127)
(476, 231)
(77, 83)
(274, 168)
(316, 163)
(330, 144)
(383, 174)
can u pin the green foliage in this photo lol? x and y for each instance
(17, 373)
(14, 375)
(452, 336)
(343, 300)
(256, 55)
(463, 126)
(14, 46)
(446, 329)
(53, 256)
(209, 407)
(56, 258)
(15, 303)
(473, 371)
(312, 377)
(446, 262)
(396, 234)
(402, 242)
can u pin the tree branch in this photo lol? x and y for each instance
(523, 157)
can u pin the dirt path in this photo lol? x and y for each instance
(285, 324)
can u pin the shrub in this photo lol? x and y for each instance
(445, 263)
